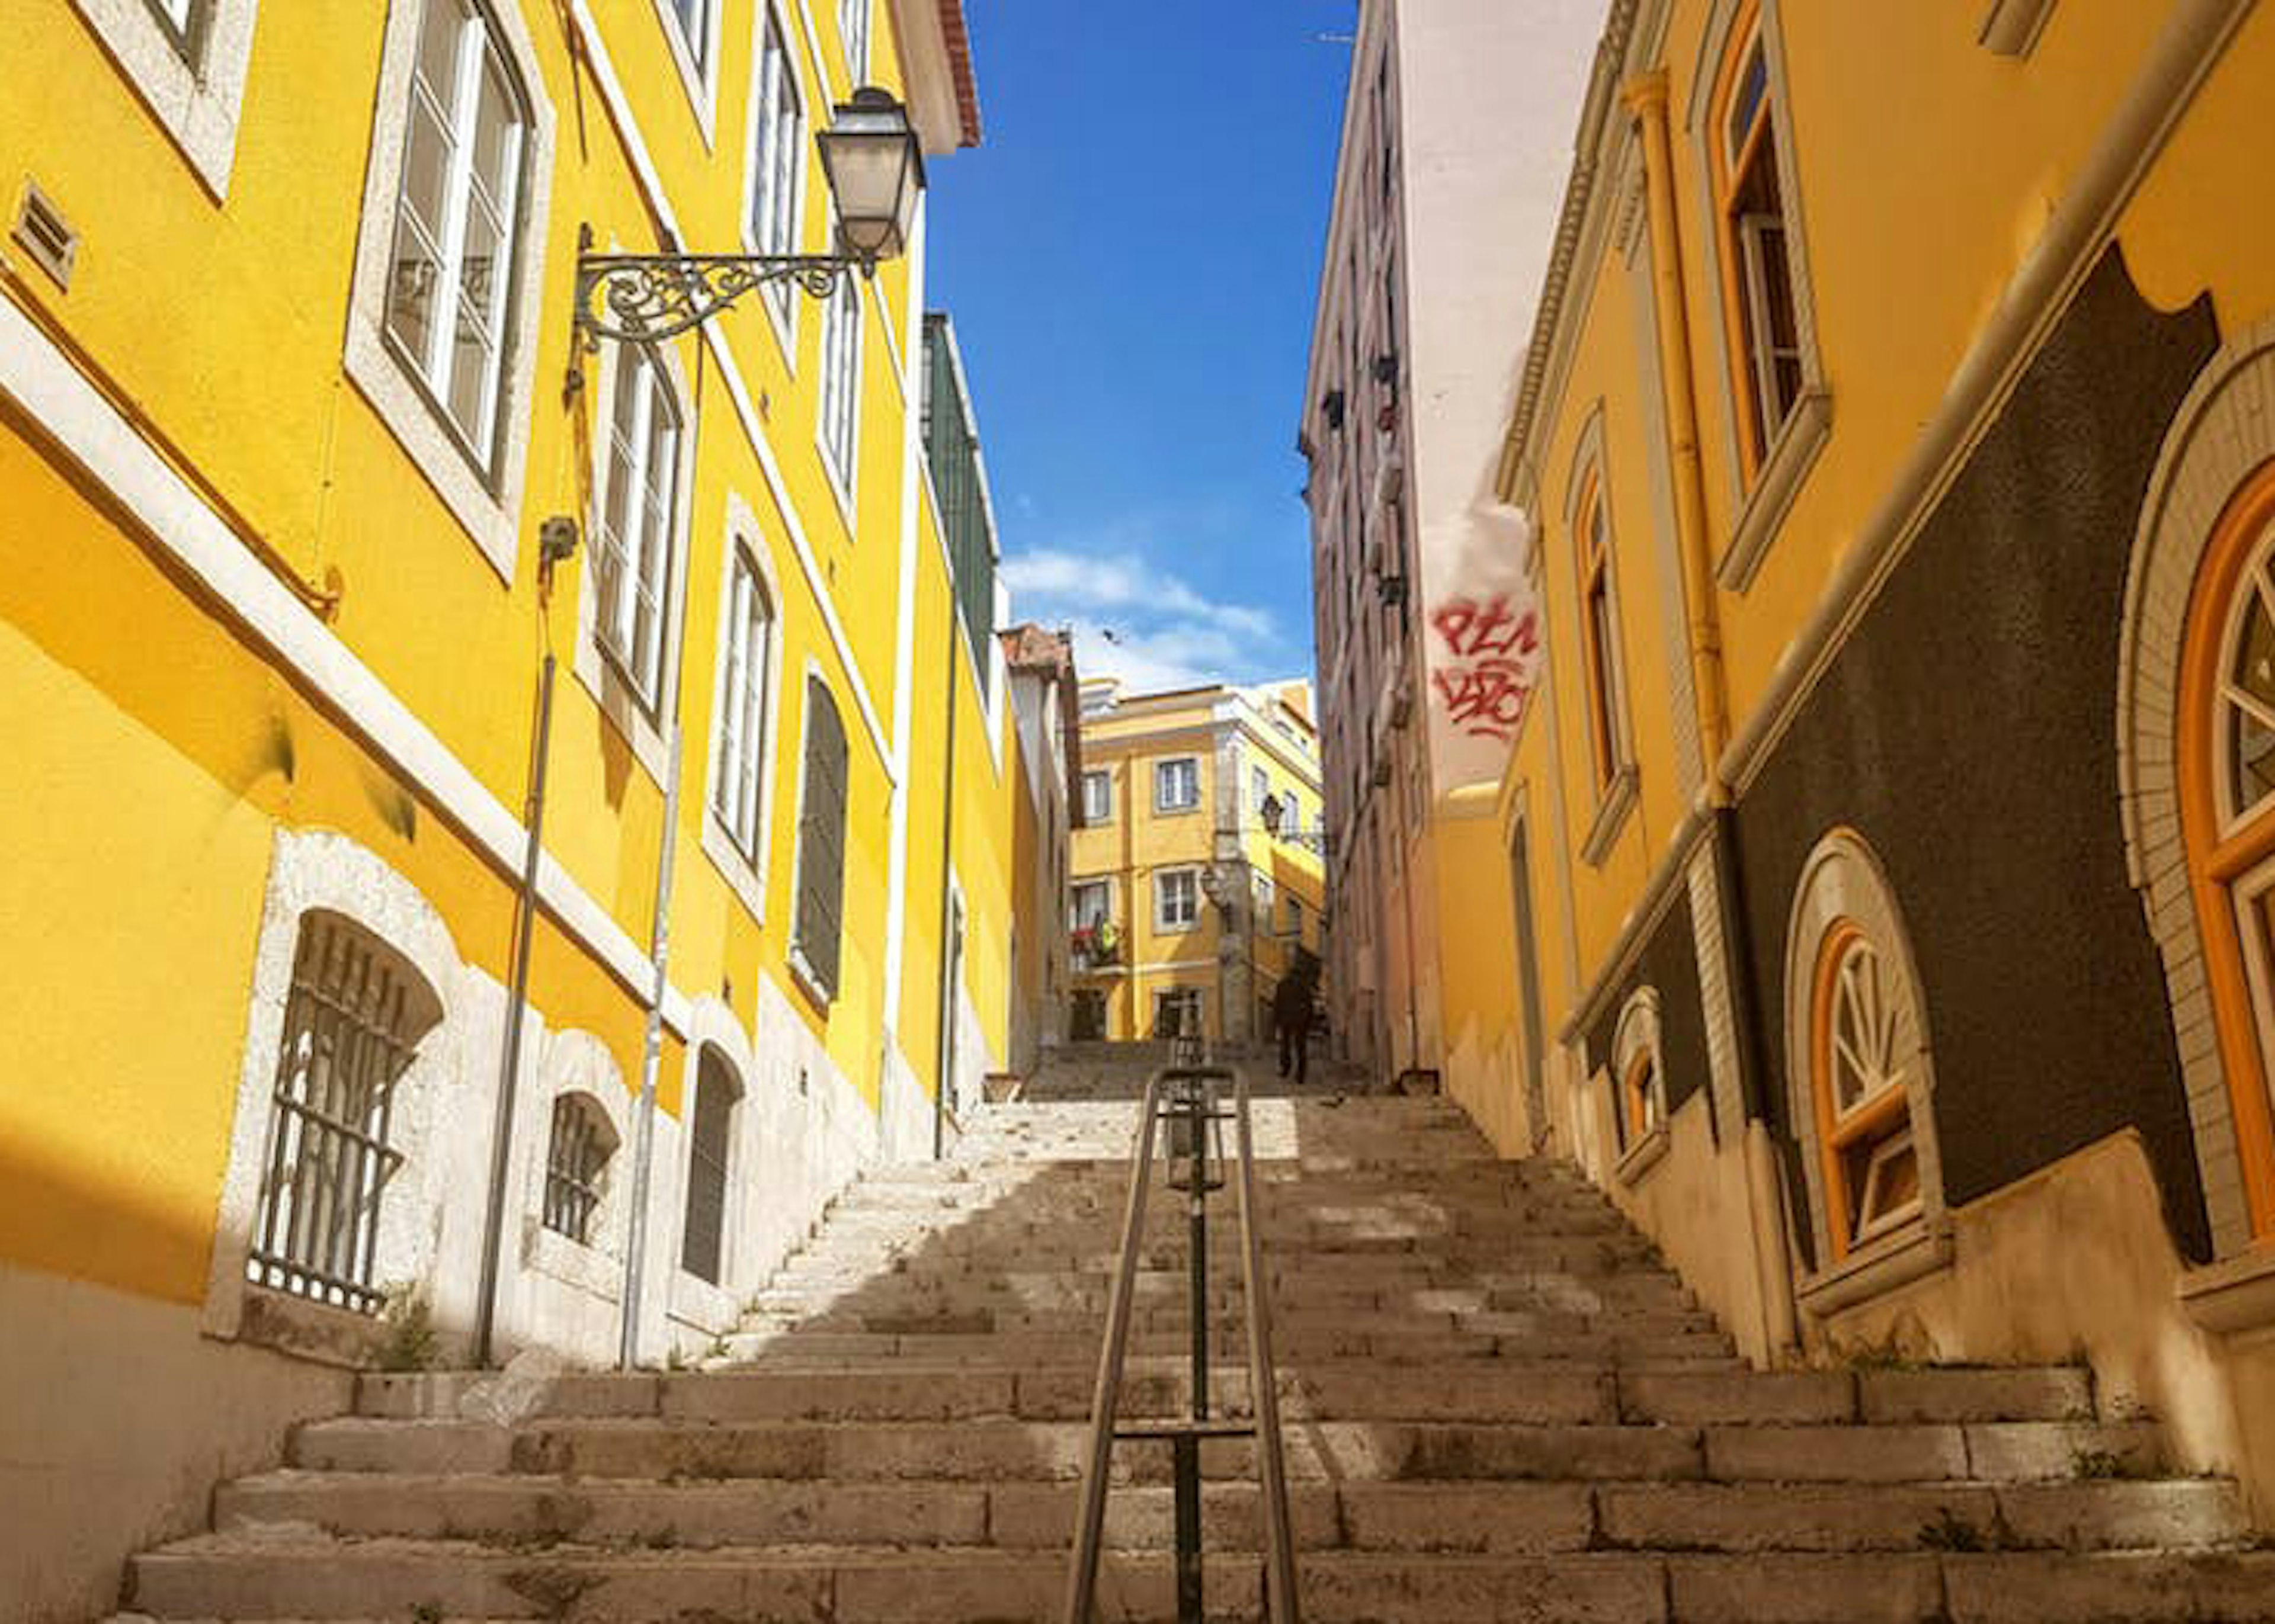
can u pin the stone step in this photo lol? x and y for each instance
(989, 1448)
(1385, 1341)
(266, 1578)
(1509, 1519)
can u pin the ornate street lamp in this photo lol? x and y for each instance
(1273, 812)
(876, 173)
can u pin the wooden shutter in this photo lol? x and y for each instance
(711, 1134)
(821, 837)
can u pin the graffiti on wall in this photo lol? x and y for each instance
(1482, 671)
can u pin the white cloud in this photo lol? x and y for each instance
(1149, 628)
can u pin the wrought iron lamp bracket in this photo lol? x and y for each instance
(643, 297)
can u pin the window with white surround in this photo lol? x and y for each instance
(1260, 786)
(693, 18)
(576, 1161)
(182, 17)
(1641, 1076)
(1177, 899)
(1176, 784)
(710, 1144)
(451, 270)
(188, 61)
(1097, 798)
(743, 705)
(840, 381)
(1177, 1012)
(1094, 903)
(632, 543)
(853, 29)
(777, 155)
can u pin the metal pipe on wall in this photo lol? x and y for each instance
(651, 1066)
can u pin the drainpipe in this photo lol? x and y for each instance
(1645, 97)
(556, 541)
(651, 1055)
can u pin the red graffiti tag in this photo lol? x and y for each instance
(1472, 628)
(1485, 687)
(1485, 699)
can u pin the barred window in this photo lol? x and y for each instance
(576, 1158)
(821, 839)
(711, 1137)
(352, 1022)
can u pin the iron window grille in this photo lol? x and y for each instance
(352, 1021)
(575, 1157)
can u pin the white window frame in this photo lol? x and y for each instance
(1294, 910)
(771, 42)
(697, 59)
(838, 416)
(856, 19)
(642, 460)
(645, 724)
(1103, 778)
(1103, 884)
(1163, 924)
(746, 865)
(1192, 998)
(487, 503)
(1161, 771)
(192, 78)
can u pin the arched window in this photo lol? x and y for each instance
(1638, 1074)
(821, 840)
(710, 1147)
(1860, 1067)
(2228, 812)
(1763, 321)
(352, 1023)
(576, 1163)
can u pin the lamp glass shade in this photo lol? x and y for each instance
(1270, 811)
(875, 172)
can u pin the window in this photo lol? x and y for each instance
(1638, 1072)
(632, 547)
(352, 1021)
(1858, 1059)
(1097, 798)
(853, 29)
(710, 1141)
(1177, 899)
(453, 261)
(1295, 908)
(1176, 784)
(840, 381)
(821, 840)
(777, 155)
(742, 709)
(1599, 637)
(1291, 814)
(1759, 312)
(1094, 903)
(181, 19)
(1086, 1020)
(693, 18)
(1260, 786)
(1177, 1012)
(576, 1155)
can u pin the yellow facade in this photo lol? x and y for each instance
(1202, 901)
(249, 619)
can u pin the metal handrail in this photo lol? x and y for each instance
(1197, 1101)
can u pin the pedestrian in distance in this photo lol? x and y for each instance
(1292, 1010)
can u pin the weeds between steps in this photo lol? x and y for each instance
(408, 1340)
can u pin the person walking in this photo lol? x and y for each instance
(1292, 1003)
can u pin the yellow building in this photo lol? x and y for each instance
(1873, 899)
(1187, 904)
(306, 486)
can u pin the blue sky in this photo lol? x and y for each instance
(1131, 258)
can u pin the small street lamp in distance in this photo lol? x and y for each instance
(1273, 812)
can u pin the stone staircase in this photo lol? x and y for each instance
(1498, 1406)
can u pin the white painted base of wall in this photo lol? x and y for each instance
(122, 1417)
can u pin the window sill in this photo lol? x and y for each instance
(1890, 1262)
(307, 1329)
(809, 981)
(1779, 482)
(572, 1263)
(1641, 1156)
(1619, 799)
(2234, 1296)
(734, 865)
(701, 1306)
(1176, 811)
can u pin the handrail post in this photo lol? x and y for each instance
(1264, 1382)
